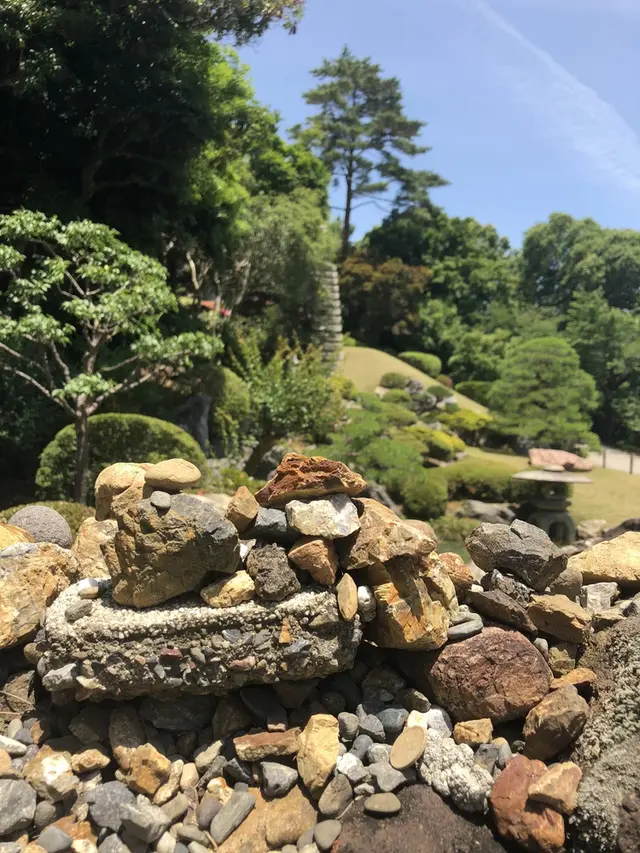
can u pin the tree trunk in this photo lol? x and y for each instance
(82, 458)
(346, 226)
(263, 446)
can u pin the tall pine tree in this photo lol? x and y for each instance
(362, 134)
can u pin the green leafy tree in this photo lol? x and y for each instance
(290, 391)
(565, 254)
(478, 355)
(608, 342)
(362, 134)
(80, 318)
(543, 395)
(381, 304)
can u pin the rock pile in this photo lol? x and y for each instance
(253, 677)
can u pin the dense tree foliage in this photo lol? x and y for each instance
(80, 318)
(543, 395)
(362, 134)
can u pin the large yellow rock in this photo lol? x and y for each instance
(87, 547)
(408, 618)
(172, 475)
(12, 535)
(318, 747)
(29, 583)
(559, 616)
(124, 480)
(617, 560)
(229, 591)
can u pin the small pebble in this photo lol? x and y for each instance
(408, 748)
(160, 500)
(88, 588)
(370, 725)
(388, 778)
(364, 789)
(54, 840)
(305, 839)
(360, 746)
(208, 808)
(393, 719)
(326, 832)
(333, 701)
(382, 805)
(439, 721)
(348, 725)
(465, 629)
(352, 767)
(335, 797)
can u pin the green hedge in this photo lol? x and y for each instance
(112, 438)
(398, 395)
(465, 422)
(394, 380)
(424, 496)
(439, 392)
(424, 361)
(230, 406)
(475, 390)
(450, 528)
(484, 481)
(398, 415)
(73, 513)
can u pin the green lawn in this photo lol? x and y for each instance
(613, 495)
(366, 366)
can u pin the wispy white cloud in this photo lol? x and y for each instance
(574, 112)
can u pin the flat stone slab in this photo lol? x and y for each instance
(184, 646)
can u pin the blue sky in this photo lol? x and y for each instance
(532, 105)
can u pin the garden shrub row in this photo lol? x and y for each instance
(424, 361)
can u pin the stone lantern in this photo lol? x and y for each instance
(549, 498)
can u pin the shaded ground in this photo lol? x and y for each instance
(425, 825)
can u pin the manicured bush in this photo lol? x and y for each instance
(424, 361)
(73, 513)
(467, 424)
(230, 407)
(443, 379)
(346, 387)
(370, 401)
(398, 415)
(450, 408)
(438, 392)
(394, 380)
(113, 438)
(424, 495)
(434, 442)
(450, 528)
(482, 480)
(397, 395)
(475, 390)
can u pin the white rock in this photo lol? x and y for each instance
(439, 721)
(366, 604)
(351, 767)
(450, 771)
(88, 588)
(417, 718)
(596, 597)
(13, 747)
(332, 518)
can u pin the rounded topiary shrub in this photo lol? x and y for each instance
(439, 392)
(445, 380)
(230, 406)
(398, 395)
(424, 495)
(112, 438)
(398, 415)
(424, 361)
(394, 380)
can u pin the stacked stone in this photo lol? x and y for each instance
(328, 317)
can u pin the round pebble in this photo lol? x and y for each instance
(160, 500)
(326, 832)
(382, 805)
(54, 840)
(360, 746)
(348, 725)
(408, 748)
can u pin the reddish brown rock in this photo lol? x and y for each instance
(458, 571)
(496, 674)
(532, 825)
(243, 509)
(554, 723)
(265, 744)
(558, 787)
(309, 477)
(316, 556)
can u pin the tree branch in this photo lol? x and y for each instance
(57, 400)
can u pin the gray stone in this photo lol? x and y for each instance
(78, 610)
(145, 822)
(273, 576)
(516, 590)
(352, 767)
(17, 805)
(187, 832)
(372, 726)
(107, 802)
(231, 815)
(113, 844)
(387, 778)
(542, 646)
(180, 848)
(133, 843)
(487, 756)
(568, 582)
(160, 500)
(208, 808)
(439, 721)
(336, 797)
(180, 714)
(54, 840)
(171, 630)
(489, 512)
(393, 719)
(63, 678)
(44, 524)
(597, 597)
(45, 814)
(348, 725)
(196, 847)
(343, 683)
(364, 789)
(466, 629)
(165, 844)
(12, 746)
(520, 549)
(382, 805)
(498, 606)
(326, 832)
(305, 839)
(277, 779)
(378, 753)
(413, 700)
(272, 526)
(333, 701)
(238, 771)
(264, 706)
(176, 807)
(360, 746)
(367, 605)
